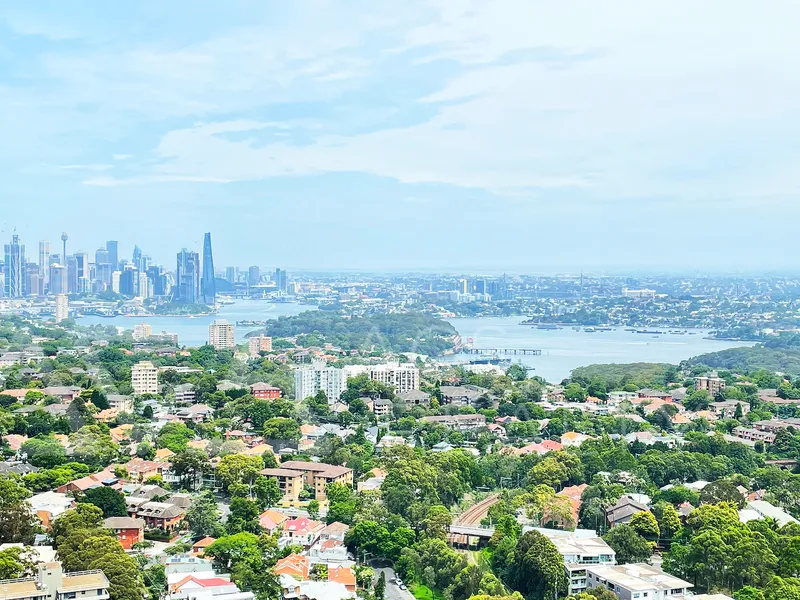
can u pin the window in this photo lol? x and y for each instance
(636, 595)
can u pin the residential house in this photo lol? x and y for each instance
(462, 395)
(458, 422)
(50, 505)
(292, 589)
(727, 408)
(195, 414)
(184, 393)
(263, 391)
(129, 531)
(192, 587)
(160, 515)
(64, 393)
(622, 512)
(199, 547)
(294, 565)
(105, 477)
(120, 403)
(754, 435)
(381, 407)
(141, 470)
(272, 521)
(573, 439)
(413, 398)
(302, 531)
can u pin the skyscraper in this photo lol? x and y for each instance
(14, 268)
(44, 263)
(254, 275)
(113, 254)
(137, 256)
(59, 283)
(187, 278)
(129, 282)
(158, 281)
(102, 266)
(230, 274)
(208, 288)
(280, 280)
(72, 274)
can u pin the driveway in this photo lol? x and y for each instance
(393, 592)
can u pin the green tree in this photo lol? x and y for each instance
(17, 523)
(93, 447)
(239, 468)
(267, 491)
(380, 586)
(203, 517)
(107, 499)
(538, 568)
(45, 452)
(669, 521)
(190, 465)
(645, 524)
(175, 436)
(628, 545)
(279, 428)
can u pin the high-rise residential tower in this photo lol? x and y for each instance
(14, 268)
(44, 263)
(187, 278)
(208, 288)
(222, 335)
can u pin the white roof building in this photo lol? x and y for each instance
(638, 582)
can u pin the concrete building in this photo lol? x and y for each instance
(289, 480)
(318, 376)
(260, 344)
(129, 531)
(320, 475)
(415, 398)
(120, 402)
(51, 583)
(264, 391)
(711, 383)
(754, 435)
(727, 408)
(222, 335)
(62, 308)
(580, 549)
(403, 377)
(458, 422)
(144, 378)
(638, 582)
(142, 332)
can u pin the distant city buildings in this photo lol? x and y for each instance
(222, 335)
(643, 294)
(144, 378)
(253, 275)
(281, 280)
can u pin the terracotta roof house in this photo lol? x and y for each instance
(295, 565)
(199, 547)
(272, 521)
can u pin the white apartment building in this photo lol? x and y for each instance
(638, 582)
(144, 378)
(222, 335)
(144, 286)
(142, 332)
(403, 377)
(115, 277)
(62, 308)
(318, 376)
(120, 402)
(259, 344)
(580, 552)
(51, 583)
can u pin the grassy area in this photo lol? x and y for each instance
(423, 592)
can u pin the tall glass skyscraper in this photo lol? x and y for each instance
(113, 254)
(187, 279)
(14, 269)
(208, 288)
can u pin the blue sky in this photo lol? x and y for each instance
(510, 135)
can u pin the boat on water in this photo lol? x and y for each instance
(649, 331)
(590, 330)
(249, 323)
(547, 326)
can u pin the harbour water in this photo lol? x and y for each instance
(193, 331)
(562, 349)
(565, 349)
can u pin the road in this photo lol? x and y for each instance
(393, 592)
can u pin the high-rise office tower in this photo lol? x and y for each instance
(463, 286)
(137, 257)
(14, 268)
(44, 263)
(64, 238)
(187, 278)
(59, 283)
(113, 254)
(208, 288)
(230, 274)
(158, 281)
(129, 281)
(72, 274)
(280, 280)
(102, 266)
(33, 280)
(144, 286)
(253, 275)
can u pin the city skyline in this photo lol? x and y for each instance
(497, 137)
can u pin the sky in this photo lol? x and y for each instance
(503, 135)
